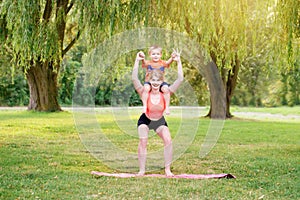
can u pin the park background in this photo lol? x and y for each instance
(255, 46)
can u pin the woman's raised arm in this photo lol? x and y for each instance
(179, 79)
(135, 79)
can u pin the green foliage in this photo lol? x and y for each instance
(27, 32)
(287, 48)
(290, 87)
(40, 33)
(218, 26)
(13, 92)
(68, 73)
(197, 82)
(68, 76)
(13, 87)
(263, 35)
(114, 83)
(110, 17)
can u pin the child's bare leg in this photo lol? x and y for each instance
(166, 93)
(145, 96)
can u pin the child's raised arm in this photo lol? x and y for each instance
(173, 55)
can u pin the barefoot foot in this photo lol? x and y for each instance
(169, 173)
(141, 173)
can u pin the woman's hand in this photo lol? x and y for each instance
(140, 56)
(176, 55)
(135, 79)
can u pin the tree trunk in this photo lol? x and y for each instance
(228, 95)
(230, 85)
(217, 92)
(42, 81)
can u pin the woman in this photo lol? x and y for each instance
(153, 118)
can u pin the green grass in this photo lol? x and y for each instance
(42, 157)
(284, 110)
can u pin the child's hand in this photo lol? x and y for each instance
(173, 55)
(140, 56)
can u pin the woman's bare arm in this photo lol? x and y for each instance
(179, 79)
(136, 82)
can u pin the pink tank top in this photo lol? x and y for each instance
(155, 111)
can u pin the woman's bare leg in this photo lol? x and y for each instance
(164, 134)
(143, 131)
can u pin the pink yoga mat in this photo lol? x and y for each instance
(186, 176)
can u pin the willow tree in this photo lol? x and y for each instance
(222, 28)
(38, 34)
(287, 44)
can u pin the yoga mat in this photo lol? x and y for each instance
(185, 176)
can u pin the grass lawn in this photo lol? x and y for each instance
(42, 157)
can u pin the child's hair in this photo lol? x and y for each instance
(158, 73)
(153, 48)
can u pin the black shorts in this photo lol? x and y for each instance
(151, 124)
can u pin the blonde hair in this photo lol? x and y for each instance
(157, 73)
(154, 47)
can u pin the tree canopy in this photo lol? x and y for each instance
(255, 38)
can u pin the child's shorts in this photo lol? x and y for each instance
(164, 83)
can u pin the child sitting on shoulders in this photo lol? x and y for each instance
(155, 53)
